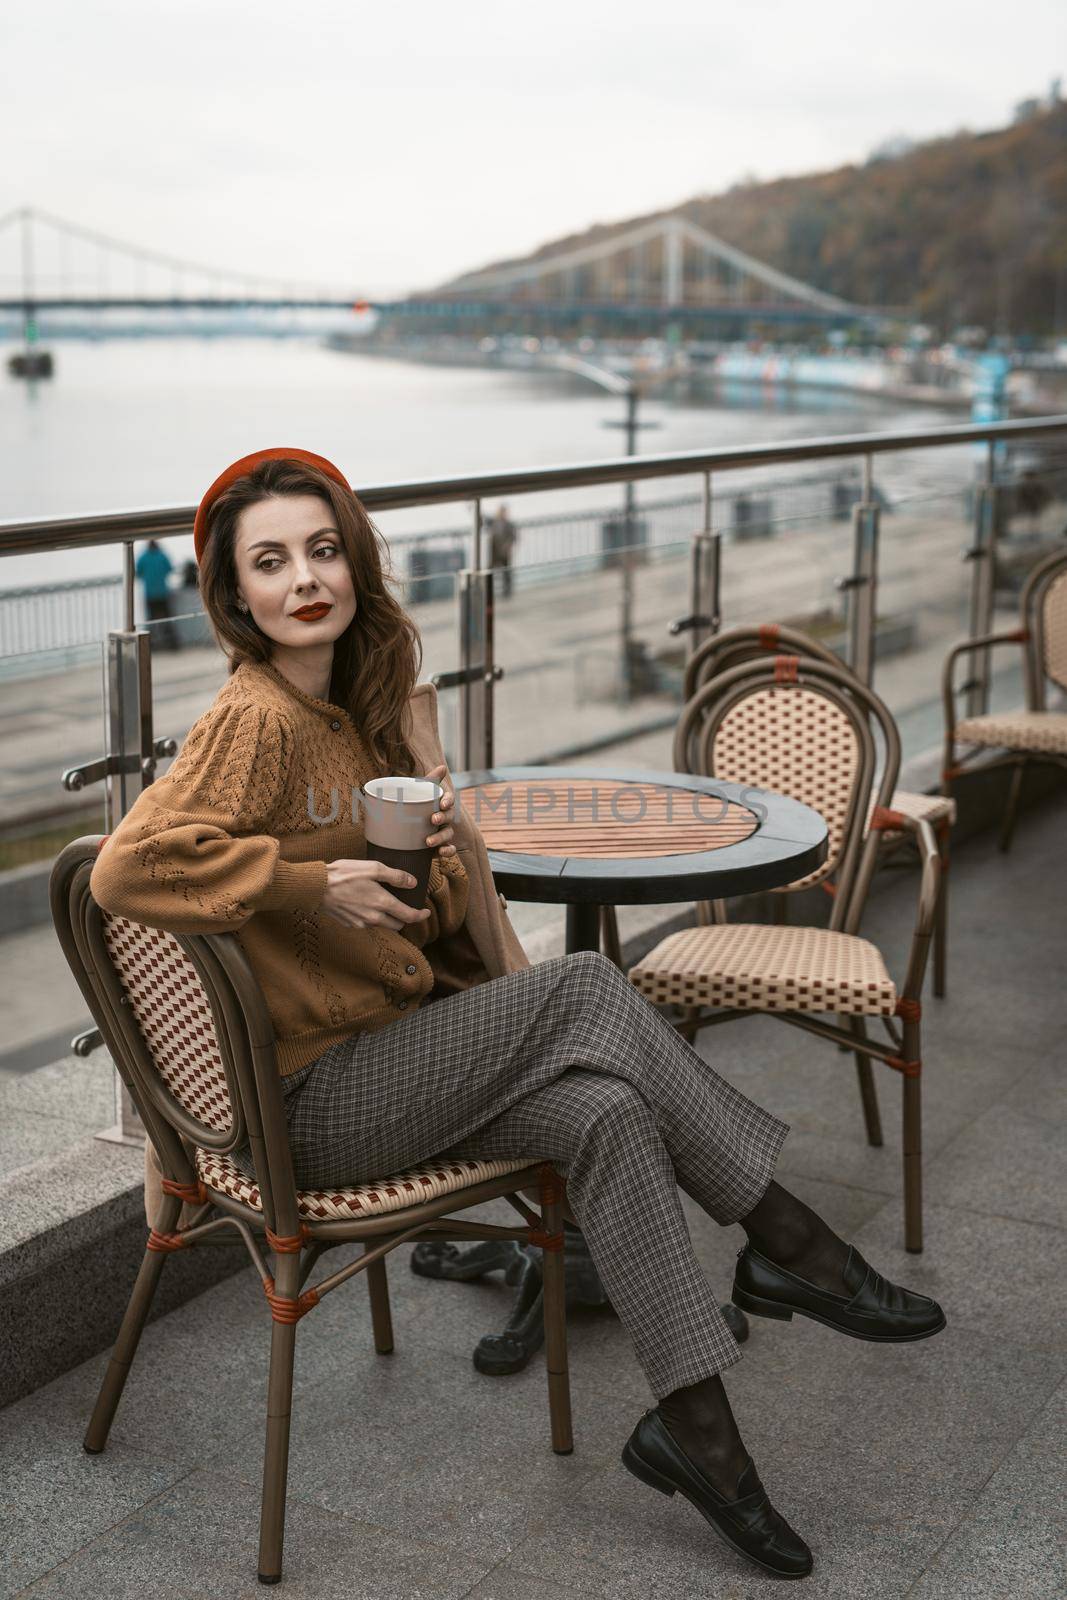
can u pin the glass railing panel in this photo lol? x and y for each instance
(587, 659)
(565, 525)
(188, 670)
(52, 718)
(52, 710)
(924, 587)
(186, 628)
(925, 582)
(427, 589)
(924, 476)
(426, 586)
(1031, 524)
(783, 569)
(800, 492)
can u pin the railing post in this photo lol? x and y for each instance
(476, 531)
(128, 575)
(705, 582)
(861, 588)
(983, 558)
(131, 767)
(706, 578)
(131, 747)
(478, 673)
(489, 674)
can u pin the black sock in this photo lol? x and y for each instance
(788, 1232)
(699, 1419)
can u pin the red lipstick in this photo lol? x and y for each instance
(312, 613)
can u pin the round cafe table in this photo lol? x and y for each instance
(585, 837)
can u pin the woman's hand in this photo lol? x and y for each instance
(443, 837)
(357, 892)
(357, 895)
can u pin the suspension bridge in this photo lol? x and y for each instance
(666, 270)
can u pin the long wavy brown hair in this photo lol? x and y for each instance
(377, 660)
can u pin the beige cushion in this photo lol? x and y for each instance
(758, 968)
(403, 1189)
(930, 808)
(1037, 731)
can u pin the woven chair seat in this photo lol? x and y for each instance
(1043, 732)
(396, 1193)
(930, 808)
(767, 968)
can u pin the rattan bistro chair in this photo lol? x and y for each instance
(729, 649)
(804, 728)
(187, 1025)
(738, 645)
(1035, 735)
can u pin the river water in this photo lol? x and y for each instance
(144, 422)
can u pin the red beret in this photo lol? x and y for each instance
(245, 465)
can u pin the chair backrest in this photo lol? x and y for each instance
(746, 643)
(172, 1009)
(804, 728)
(1044, 618)
(186, 1024)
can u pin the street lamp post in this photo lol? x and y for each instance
(632, 663)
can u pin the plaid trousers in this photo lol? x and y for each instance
(564, 1061)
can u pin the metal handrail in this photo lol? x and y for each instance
(117, 527)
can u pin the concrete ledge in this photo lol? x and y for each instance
(24, 897)
(73, 1236)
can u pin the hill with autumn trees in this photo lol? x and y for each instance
(968, 229)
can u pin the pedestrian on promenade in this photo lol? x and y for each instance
(503, 537)
(405, 1034)
(154, 567)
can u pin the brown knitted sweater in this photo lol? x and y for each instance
(227, 841)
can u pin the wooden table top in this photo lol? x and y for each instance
(633, 836)
(605, 817)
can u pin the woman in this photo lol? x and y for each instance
(251, 830)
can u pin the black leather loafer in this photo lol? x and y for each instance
(873, 1308)
(749, 1524)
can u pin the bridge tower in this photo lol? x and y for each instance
(31, 361)
(668, 273)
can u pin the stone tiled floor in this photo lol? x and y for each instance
(927, 1471)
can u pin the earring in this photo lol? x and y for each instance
(241, 606)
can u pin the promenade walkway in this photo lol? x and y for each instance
(926, 1472)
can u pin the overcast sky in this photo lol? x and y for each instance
(391, 146)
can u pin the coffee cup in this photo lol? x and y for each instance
(397, 818)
